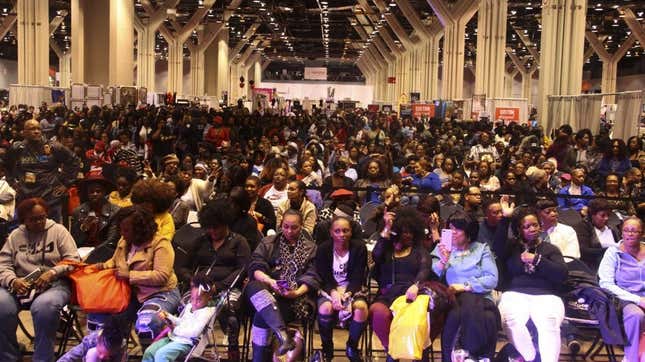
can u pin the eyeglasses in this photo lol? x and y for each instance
(631, 231)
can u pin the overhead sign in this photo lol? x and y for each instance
(316, 73)
(391, 80)
(415, 97)
(507, 114)
(422, 110)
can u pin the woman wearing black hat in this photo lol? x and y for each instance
(92, 220)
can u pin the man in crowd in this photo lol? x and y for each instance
(39, 168)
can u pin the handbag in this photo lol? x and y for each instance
(98, 291)
(410, 328)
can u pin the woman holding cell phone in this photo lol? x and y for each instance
(470, 271)
(282, 273)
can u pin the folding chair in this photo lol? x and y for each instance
(71, 327)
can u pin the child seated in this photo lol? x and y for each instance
(189, 325)
(103, 345)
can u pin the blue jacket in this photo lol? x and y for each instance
(573, 203)
(428, 182)
(605, 166)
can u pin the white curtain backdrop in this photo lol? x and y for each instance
(33, 95)
(583, 111)
(629, 106)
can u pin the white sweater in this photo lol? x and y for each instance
(190, 323)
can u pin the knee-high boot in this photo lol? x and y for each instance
(267, 310)
(326, 328)
(355, 331)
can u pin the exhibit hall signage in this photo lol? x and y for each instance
(507, 114)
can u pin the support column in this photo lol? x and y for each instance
(609, 63)
(33, 42)
(64, 64)
(491, 41)
(527, 74)
(146, 56)
(432, 65)
(454, 20)
(509, 80)
(561, 58)
(221, 65)
(104, 53)
(175, 66)
(196, 71)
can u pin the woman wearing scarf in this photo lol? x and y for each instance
(281, 274)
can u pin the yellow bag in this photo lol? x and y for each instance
(410, 329)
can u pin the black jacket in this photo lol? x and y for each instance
(356, 266)
(36, 172)
(549, 274)
(108, 230)
(606, 309)
(590, 249)
(266, 258)
(197, 253)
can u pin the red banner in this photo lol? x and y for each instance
(507, 114)
(266, 91)
(420, 110)
(374, 108)
(391, 80)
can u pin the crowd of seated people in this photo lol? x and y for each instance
(292, 215)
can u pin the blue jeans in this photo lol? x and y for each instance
(168, 301)
(45, 314)
(165, 350)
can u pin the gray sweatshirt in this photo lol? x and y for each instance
(23, 252)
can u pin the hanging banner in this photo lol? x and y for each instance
(373, 108)
(422, 110)
(387, 108)
(391, 80)
(415, 97)
(507, 114)
(268, 92)
(316, 73)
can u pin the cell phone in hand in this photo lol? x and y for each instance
(446, 239)
(283, 284)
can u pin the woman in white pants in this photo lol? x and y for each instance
(534, 269)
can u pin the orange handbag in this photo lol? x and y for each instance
(98, 291)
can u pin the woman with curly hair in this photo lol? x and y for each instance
(156, 197)
(535, 271)
(145, 259)
(400, 263)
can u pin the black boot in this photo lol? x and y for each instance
(287, 343)
(267, 310)
(326, 330)
(261, 353)
(355, 331)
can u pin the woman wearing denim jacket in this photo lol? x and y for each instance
(470, 271)
(622, 273)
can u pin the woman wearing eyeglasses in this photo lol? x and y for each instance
(622, 273)
(28, 263)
